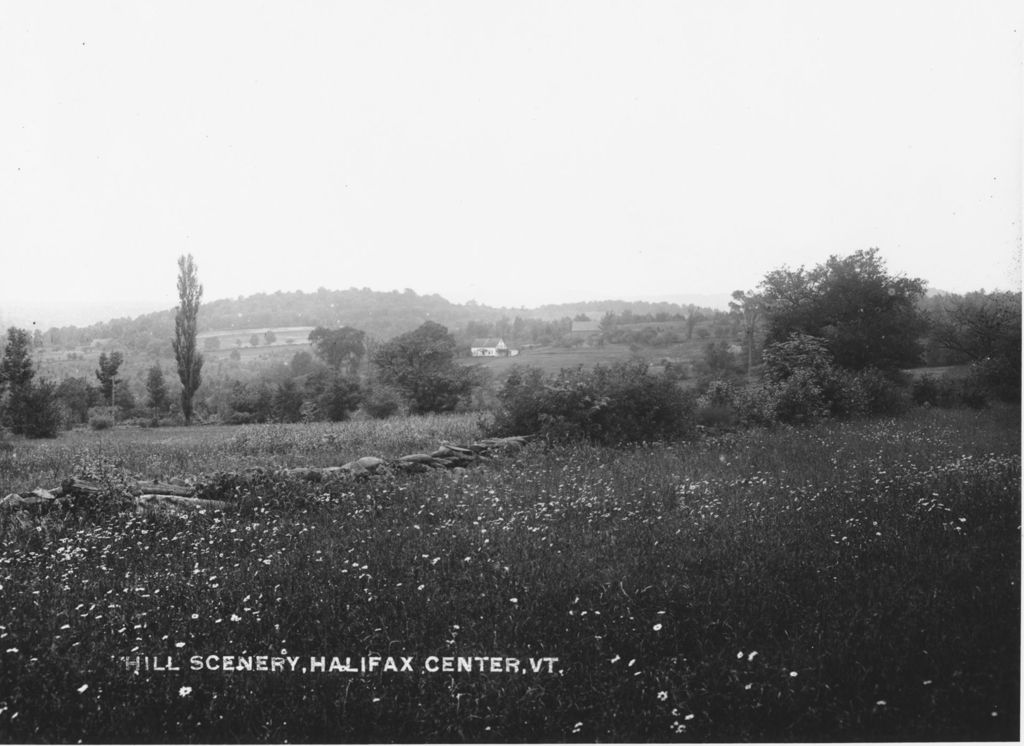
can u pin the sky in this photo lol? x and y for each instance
(513, 153)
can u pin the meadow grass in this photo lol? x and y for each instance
(852, 581)
(185, 452)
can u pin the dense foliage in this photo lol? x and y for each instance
(607, 404)
(421, 365)
(867, 317)
(27, 406)
(186, 325)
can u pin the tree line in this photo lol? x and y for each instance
(832, 338)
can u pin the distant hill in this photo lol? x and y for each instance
(380, 314)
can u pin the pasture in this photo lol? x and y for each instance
(553, 359)
(850, 581)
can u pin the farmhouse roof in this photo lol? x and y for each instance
(486, 342)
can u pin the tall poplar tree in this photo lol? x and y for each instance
(190, 361)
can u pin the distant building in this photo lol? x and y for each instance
(491, 347)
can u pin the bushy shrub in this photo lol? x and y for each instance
(608, 404)
(881, 394)
(716, 407)
(998, 377)
(803, 385)
(97, 422)
(381, 402)
(44, 415)
(800, 398)
(946, 392)
(755, 405)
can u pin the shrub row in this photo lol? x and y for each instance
(607, 404)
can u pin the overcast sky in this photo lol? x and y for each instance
(515, 153)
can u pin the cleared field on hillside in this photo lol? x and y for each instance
(553, 359)
(854, 581)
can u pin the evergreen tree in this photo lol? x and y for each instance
(156, 389)
(106, 374)
(190, 360)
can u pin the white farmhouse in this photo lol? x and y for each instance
(491, 347)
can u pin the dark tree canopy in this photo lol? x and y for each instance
(342, 349)
(156, 389)
(16, 368)
(77, 396)
(106, 374)
(190, 360)
(421, 364)
(867, 317)
(981, 325)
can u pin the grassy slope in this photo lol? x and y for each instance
(553, 359)
(853, 581)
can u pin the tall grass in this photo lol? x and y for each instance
(855, 581)
(178, 451)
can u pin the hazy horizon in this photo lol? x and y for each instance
(516, 154)
(47, 314)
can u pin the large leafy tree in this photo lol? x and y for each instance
(77, 396)
(190, 360)
(106, 374)
(421, 364)
(30, 407)
(985, 330)
(867, 316)
(16, 374)
(156, 389)
(16, 368)
(749, 306)
(342, 349)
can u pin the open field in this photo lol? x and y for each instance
(181, 451)
(852, 581)
(553, 359)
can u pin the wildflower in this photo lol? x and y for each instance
(752, 656)
(514, 600)
(12, 650)
(793, 674)
(691, 716)
(657, 627)
(195, 616)
(576, 728)
(662, 696)
(184, 691)
(236, 618)
(82, 688)
(881, 703)
(739, 655)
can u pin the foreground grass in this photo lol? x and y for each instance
(180, 451)
(855, 581)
